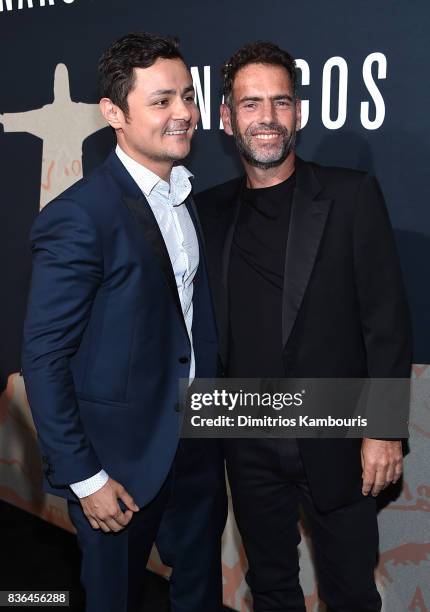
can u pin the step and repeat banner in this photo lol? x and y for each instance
(363, 72)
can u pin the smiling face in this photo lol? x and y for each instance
(162, 115)
(263, 115)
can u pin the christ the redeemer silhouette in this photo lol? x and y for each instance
(63, 126)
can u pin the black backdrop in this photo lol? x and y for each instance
(34, 39)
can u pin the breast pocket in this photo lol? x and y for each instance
(95, 402)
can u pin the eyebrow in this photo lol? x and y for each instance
(259, 98)
(189, 88)
(170, 92)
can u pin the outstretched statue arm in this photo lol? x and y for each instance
(28, 121)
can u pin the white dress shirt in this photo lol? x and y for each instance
(167, 203)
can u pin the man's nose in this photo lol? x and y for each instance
(267, 112)
(181, 109)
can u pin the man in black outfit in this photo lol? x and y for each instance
(306, 283)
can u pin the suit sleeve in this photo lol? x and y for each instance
(383, 305)
(67, 271)
(384, 314)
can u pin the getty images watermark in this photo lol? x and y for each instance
(276, 401)
(300, 408)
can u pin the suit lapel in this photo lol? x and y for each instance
(308, 219)
(144, 216)
(141, 211)
(224, 297)
(191, 207)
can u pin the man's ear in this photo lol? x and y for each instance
(112, 113)
(226, 119)
(298, 114)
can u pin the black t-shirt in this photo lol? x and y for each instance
(256, 280)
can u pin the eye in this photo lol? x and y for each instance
(164, 102)
(284, 103)
(189, 99)
(249, 105)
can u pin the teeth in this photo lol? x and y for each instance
(175, 132)
(266, 136)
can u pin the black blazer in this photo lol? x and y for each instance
(344, 308)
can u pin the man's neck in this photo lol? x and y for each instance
(162, 169)
(257, 178)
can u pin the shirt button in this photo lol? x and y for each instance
(183, 360)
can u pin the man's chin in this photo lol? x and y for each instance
(266, 163)
(178, 158)
(173, 155)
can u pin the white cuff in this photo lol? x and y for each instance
(90, 485)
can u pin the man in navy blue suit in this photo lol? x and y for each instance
(119, 310)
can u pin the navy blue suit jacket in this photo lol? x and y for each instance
(105, 341)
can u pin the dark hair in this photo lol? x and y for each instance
(257, 53)
(117, 64)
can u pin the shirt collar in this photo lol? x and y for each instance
(148, 180)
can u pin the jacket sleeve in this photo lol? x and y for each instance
(67, 271)
(383, 306)
(384, 313)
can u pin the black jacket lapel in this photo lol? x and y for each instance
(191, 207)
(223, 297)
(308, 219)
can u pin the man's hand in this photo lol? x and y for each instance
(102, 509)
(382, 463)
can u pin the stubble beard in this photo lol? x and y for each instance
(169, 156)
(166, 155)
(259, 159)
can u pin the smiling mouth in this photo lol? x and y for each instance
(176, 132)
(266, 136)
